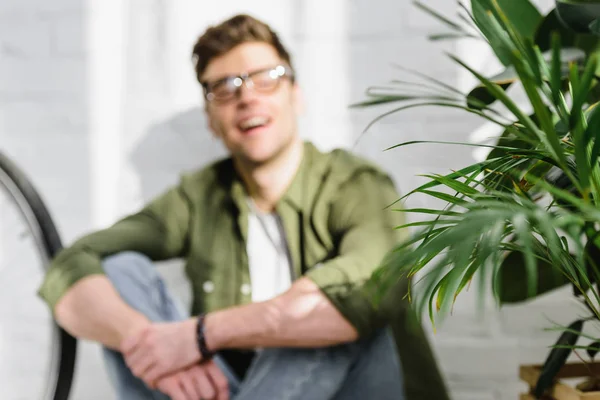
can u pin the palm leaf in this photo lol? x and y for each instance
(508, 211)
(524, 15)
(446, 21)
(495, 37)
(493, 223)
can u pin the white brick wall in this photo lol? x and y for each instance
(340, 48)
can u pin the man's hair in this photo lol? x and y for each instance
(221, 38)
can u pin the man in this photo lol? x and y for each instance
(279, 239)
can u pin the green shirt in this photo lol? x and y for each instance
(337, 227)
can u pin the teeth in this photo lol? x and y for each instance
(253, 122)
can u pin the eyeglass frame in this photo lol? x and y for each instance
(245, 79)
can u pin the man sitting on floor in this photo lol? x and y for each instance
(278, 240)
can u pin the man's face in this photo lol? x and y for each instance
(256, 124)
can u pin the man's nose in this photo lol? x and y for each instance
(246, 92)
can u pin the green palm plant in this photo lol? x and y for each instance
(525, 220)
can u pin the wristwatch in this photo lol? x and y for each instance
(201, 339)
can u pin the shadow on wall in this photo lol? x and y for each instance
(181, 143)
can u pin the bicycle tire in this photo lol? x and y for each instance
(47, 238)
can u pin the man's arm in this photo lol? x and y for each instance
(109, 321)
(82, 299)
(327, 306)
(301, 317)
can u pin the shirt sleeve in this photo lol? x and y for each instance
(159, 230)
(364, 229)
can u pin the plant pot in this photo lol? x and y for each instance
(562, 390)
(577, 15)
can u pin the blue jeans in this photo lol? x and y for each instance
(365, 369)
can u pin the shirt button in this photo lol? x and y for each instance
(208, 287)
(246, 289)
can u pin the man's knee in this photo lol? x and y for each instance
(139, 284)
(130, 270)
(128, 265)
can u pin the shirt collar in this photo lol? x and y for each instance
(301, 188)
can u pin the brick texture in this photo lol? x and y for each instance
(340, 49)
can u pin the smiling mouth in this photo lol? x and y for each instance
(253, 123)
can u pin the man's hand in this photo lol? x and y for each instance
(201, 381)
(160, 349)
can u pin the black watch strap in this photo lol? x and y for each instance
(201, 338)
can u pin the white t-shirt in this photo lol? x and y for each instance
(268, 255)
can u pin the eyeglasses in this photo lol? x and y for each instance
(263, 81)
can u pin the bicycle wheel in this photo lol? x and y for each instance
(37, 357)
